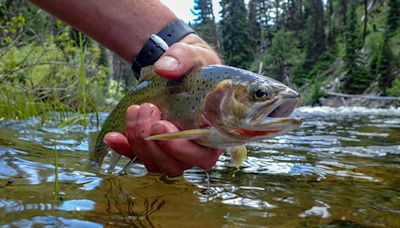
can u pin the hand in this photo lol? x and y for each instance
(185, 55)
(174, 156)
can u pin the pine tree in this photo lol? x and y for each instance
(385, 60)
(315, 41)
(255, 22)
(357, 79)
(205, 22)
(393, 18)
(237, 44)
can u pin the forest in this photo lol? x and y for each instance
(315, 46)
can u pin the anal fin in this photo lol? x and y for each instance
(238, 154)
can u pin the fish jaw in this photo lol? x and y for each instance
(270, 127)
(271, 121)
(237, 119)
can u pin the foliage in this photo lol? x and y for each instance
(204, 24)
(305, 43)
(395, 89)
(44, 68)
(282, 54)
(393, 17)
(357, 78)
(315, 93)
(237, 45)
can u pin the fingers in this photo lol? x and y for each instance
(119, 143)
(138, 122)
(183, 56)
(169, 157)
(186, 151)
(167, 164)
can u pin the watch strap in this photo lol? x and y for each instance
(159, 43)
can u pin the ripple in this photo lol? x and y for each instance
(361, 151)
(325, 111)
(322, 210)
(253, 203)
(76, 205)
(53, 222)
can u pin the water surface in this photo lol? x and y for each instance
(341, 169)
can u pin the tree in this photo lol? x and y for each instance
(386, 61)
(393, 17)
(315, 41)
(365, 2)
(255, 22)
(237, 45)
(281, 56)
(356, 79)
(204, 24)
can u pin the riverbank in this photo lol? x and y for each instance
(368, 101)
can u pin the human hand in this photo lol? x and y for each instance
(183, 56)
(170, 157)
(174, 156)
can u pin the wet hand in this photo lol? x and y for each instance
(185, 55)
(170, 157)
(174, 156)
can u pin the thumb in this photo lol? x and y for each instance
(175, 62)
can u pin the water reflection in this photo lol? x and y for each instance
(341, 169)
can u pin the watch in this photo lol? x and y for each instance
(159, 43)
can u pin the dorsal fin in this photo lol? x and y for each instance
(147, 73)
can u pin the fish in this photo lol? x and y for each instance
(217, 106)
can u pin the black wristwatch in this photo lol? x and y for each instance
(159, 43)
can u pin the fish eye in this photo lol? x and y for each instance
(260, 94)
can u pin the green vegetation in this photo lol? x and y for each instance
(236, 42)
(42, 69)
(48, 68)
(56, 181)
(309, 44)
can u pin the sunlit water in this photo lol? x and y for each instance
(341, 169)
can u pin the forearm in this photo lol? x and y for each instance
(123, 26)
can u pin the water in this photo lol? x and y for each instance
(341, 169)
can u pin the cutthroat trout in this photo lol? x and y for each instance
(216, 106)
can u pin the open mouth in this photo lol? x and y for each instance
(275, 121)
(283, 108)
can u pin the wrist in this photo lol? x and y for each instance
(159, 43)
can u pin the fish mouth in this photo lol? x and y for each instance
(283, 108)
(275, 121)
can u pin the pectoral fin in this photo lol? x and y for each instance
(238, 154)
(187, 134)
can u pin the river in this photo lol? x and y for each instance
(340, 169)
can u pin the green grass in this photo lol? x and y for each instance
(56, 181)
(82, 79)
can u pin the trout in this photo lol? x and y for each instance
(216, 106)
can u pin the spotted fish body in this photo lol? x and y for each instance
(213, 97)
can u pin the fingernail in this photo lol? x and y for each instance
(167, 63)
(157, 129)
(109, 135)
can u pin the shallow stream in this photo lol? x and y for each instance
(340, 169)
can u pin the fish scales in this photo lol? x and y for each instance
(230, 100)
(178, 100)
